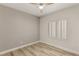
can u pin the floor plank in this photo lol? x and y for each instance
(39, 49)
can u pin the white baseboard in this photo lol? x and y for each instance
(65, 49)
(6, 51)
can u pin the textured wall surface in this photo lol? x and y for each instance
(17, 28)
(72, 16)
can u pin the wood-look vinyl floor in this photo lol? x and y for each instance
(39, 49)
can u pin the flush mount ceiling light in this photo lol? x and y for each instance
(41, 6)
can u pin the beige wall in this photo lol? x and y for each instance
(17, 28)
(72, 16)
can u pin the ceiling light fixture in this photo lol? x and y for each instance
(41, 6)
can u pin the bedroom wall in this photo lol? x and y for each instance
(72, 16)
(17, 28)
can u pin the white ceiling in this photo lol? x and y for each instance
(32, 9)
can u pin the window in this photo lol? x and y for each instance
(58, 28)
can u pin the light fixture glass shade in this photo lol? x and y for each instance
(41, 7)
